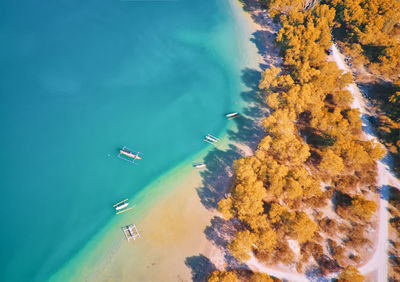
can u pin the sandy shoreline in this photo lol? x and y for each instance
(173, 242)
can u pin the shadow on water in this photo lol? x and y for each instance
(217, 177)
(264, 41)
(245, 135)
(200, 267)
(248, 129)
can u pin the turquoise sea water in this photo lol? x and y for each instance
(79, 79)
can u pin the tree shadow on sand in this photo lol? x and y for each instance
(221, 231)
(200, 267)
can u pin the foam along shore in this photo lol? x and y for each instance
(169, 215)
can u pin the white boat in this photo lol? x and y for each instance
(127, 153)
(211, 139)
(122, 206)
(232, 115)
(199, 165)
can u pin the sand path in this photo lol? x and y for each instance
(379, 261)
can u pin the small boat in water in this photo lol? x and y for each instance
(199, 165)
(212, 136)
(211, 139)
(232, 115)
(129, 155)
(120, 207)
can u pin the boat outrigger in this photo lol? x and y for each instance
(213, 137)
(232, 115)
(129, 155)
(130, 232)
(121, 206)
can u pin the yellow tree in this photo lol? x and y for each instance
(350, 274)
(268, 76)
(223, 276)
(242, 245)
(260, 277)
(331, 162)
(362, 208)
(267, 239)
(303, 228)
(225, 208)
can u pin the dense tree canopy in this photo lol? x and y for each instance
(372, 30)
(312, 134)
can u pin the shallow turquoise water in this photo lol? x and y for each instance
(79, 80)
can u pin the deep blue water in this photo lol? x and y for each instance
(79, 79)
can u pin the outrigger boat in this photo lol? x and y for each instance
(211, 139)
(232, 115)
(121, 206)
(130, 232)
(129, 155)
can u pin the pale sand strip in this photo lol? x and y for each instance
(170, 232)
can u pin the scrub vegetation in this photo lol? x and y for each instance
(307, 196)
(369, 33)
